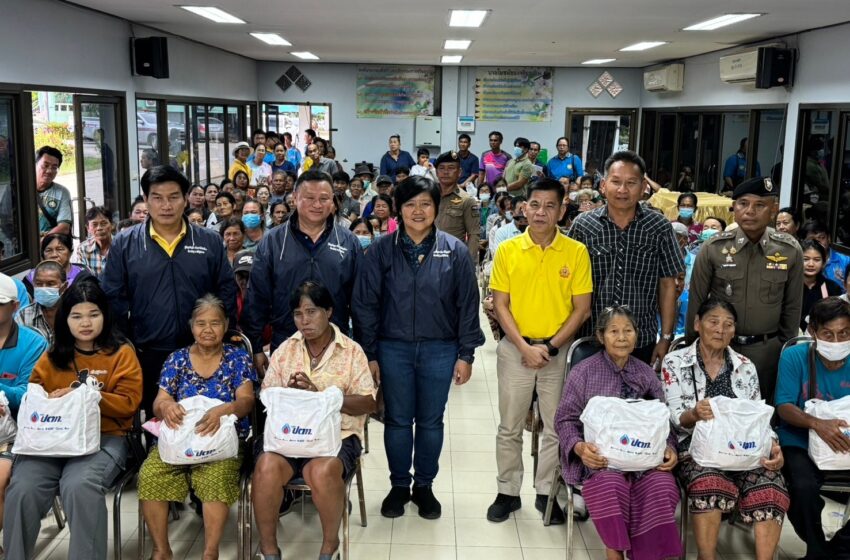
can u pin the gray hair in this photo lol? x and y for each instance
(51, 266)
(587, 192)
(206, 302)
(608, 315)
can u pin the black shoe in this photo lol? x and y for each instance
(290, 498)
(557, 517)
(393, 505)
(429, 507)
(502, 508)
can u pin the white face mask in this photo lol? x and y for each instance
(833, 351)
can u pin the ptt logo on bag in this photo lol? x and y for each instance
(634, 442)
(44, 418)
(745, 445)
(296, 430)
(200, 453)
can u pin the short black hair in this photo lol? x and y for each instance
(96, 211)
(466, 137)
(341, 176)
(384, 198)
(712, 303)
(396, 136)
(522, 142)
(288, 135)
(807, 244)
(63, 238)
(412, 187)
(813, 227)
(564, 138)
(793, 212)
(496, 133)
(686, 195)
(310, 132)
(402, 169)
(228, 223)
(48, 151)
(257, 131)
(315, 292)
(314, 175)
(534, 143)
(363, 221)
(227, 195)
(547, 184)
(626, 156)
(423, 152)
(721, 220)
(584, 178)
(826, 310)
(164, 174)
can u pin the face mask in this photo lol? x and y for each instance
(707, 234)
(686, 213)
(833, 351)
(517, 152)
(573, 196)
(46, 297)
(365, 241)
(509, 216)
(484, 197)
(251, 221)
(501, 189)
(366, 185)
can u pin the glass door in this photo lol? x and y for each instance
(601, 137)
(99, 143)
(11, 232)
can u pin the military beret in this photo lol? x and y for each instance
(447, 157)
(759, 186)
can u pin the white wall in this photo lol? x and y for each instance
(357, 139)
(57, 44)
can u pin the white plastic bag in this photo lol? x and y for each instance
(819, 451)
(302, 423)
(631, 434)
(68, 426)
(182, 446)
(8, 427)
(737, 438)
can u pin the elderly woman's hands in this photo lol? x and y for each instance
(590, 456)
(211, 421)
(702, 411)
(776, 460)
(670, 460)
(172, 414)
(300, 380)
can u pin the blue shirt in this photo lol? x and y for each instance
(24, 295)
(469, 166)
(836, 266)
(179, 379)
(793, 387)
(293, 156)
(22, 349)
(287, 167)
(389, 166)
(736, 167)
(570, 167)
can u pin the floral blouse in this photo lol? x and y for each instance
(682, 373)
(179, 379)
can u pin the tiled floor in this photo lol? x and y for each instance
(465, 486)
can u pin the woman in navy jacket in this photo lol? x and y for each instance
(416, 298)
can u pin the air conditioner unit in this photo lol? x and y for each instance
(739, 68)
(668, 78)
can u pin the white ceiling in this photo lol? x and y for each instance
(517, 33)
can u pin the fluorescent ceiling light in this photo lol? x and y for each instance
(599, 60)
(645, 45)
(457, 44)
(451, 59)
(467, 18)
(272, 39)
(213, 13)
(720, 21)
(305, 55)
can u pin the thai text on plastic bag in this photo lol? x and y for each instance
(67, 426)
(825, 458)
(631, 434)
(302, 423)
(183, 446)
(737, 438)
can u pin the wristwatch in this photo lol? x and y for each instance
(667, 337)
(467, 359)
(553, 350)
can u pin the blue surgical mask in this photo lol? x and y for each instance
(46, 297)
(686, 213)
(517, 152)
(251, 221)
(509, 216)
(707, 234)
(365, 241)
(484, 197)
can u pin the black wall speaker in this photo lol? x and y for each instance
(149, 57)
(775, 67)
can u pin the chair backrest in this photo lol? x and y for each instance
(678, 344)
(796, 340)
(239, 339)
(580, 349)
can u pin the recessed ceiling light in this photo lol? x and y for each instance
(720, 21)
(272, 39)
(213, 13)
(457, 44)
(467, 18)
(645, 45)
(599, 60)
(451, 59)
(305, 55)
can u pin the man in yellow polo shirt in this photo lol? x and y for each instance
(541, 285)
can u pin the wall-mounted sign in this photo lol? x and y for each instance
(466, 124)
(514, 94)
(395, 91)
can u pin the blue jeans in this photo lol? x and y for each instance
(416, 377)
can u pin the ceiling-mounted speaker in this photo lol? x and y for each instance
(149, 57)
(775, 67)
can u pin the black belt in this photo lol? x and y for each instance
(742, 340)
(534, 341)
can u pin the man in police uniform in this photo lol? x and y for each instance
(458, 214)
(760, 272)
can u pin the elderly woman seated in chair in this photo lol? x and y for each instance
(211, 369)
(691, 376)
(313, 359)
(633, 512)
